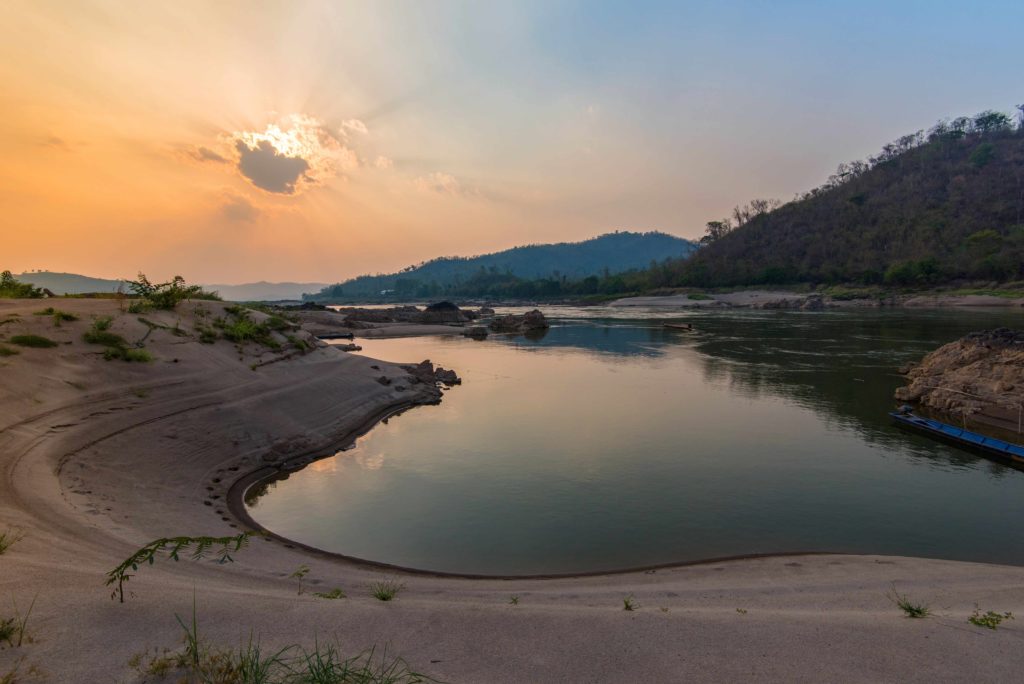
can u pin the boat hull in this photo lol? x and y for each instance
(973, 441)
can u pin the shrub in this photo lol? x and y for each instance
(385, 590)
(7, 351)
(36, 341)
(165, 295)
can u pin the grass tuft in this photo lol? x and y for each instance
(629, 604)
(385, 590)
(7, 351)
(34, 341)
(9, 538)
(335, 593)
(909, 608)
(14, 630)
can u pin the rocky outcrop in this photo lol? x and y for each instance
(477, 332)
(531, 320)
(979, 375)
(425, 372)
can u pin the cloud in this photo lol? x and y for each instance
(439, 182)
(54, 141)
(206, 154)
(269, 169)
(354, 125)
(297, 152)
(382, 162)
(238, 208)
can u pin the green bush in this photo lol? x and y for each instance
(164, 295)
(36, 341)
(117, 348)
(7, 351)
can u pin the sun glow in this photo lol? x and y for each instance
(322, 152)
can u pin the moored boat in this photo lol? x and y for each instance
(961, 437)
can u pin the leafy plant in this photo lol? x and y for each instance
(34, 341)
(989, 619)
(165, 295)
(385, 590)
(335, 593)
(174, 547)
(514, 600)
(629, 604)
(7, 351)
(9, 538)
(909, 608)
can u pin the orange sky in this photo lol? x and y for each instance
(239, 141)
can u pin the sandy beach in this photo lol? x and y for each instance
(99, 457)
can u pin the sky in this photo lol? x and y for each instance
(314, 141)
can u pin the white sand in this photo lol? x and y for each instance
(98, 457)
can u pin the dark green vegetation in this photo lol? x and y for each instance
(173, 547)
(15, 289)
(7, 351)
(528, 271)
(35, 341)
(930, 208)
(164, 295)
(204, 663)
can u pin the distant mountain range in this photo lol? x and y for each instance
(607, 254)
(71, 283)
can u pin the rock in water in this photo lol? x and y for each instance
(425, 372)
(443, 313)
(531, 320)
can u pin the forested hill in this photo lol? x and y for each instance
(932, 207)
(610, 253)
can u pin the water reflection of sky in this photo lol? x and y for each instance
(613, 442)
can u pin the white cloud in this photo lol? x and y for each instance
(382, 162)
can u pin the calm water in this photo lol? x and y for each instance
(612, 442)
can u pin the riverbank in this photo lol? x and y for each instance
(99, 457)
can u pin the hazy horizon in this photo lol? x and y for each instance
(312, 141)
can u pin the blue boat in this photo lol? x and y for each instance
(959, 436)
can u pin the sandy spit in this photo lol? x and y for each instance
(98, 457)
